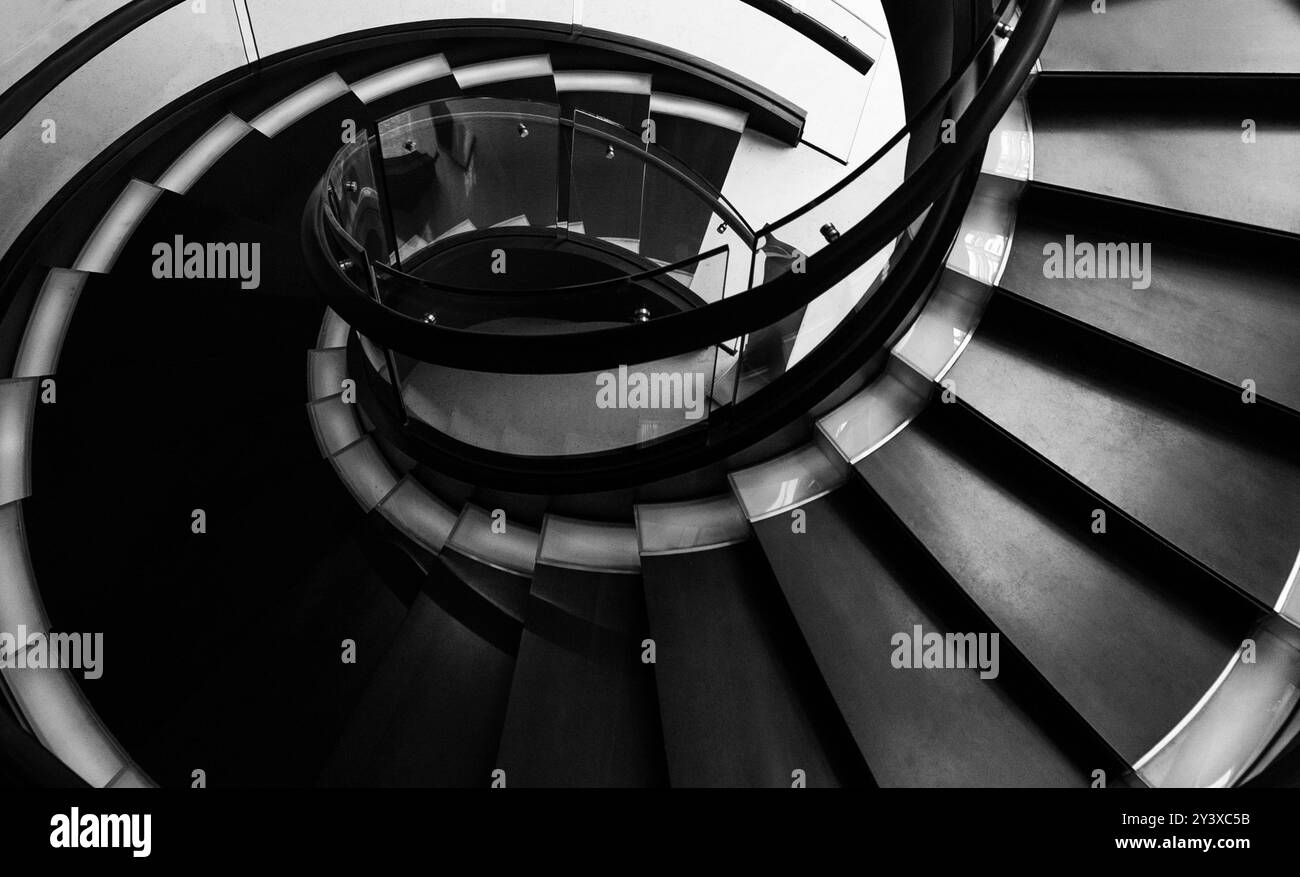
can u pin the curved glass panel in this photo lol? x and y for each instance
(458, 166)
(455, 172)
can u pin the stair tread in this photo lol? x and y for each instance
(1121, 648)
(583, 709)
(428, 714)
(1173, 143)
(1215, 305)
(914, 727)
(1220, 485)
(738, 693)
(1176, 36)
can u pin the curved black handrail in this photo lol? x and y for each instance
(556, 293)
(913, 122)
(20, 98)
(725, 432)
(761, 306)
(682, 171)
(746, 232)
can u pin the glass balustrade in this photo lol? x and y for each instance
(422, 205)
(414, 183)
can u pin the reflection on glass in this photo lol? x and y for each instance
(460, 165)
(603, 231)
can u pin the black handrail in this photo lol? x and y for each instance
(551, 292)
(814, 30)
(697, 329)
(724, 432)
(558, 292)
(936, 100)
(681, 170)
(24, 95)
(737, 220)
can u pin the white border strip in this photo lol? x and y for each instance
(589, 546)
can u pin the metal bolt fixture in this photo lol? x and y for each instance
(1003, 29)
(641, 315)
(408, 145)
(722, 226)
(523, 130)
(431, 318)
(830, 232)
(347, 265)
(609, 152)
(350, 185)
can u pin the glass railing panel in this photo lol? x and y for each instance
(680, 216)
(607, 177)
(352, 192)
(649, 202)
(678, 221)
(462, 165)
(158, 62)
(36, 29)
(769, 353)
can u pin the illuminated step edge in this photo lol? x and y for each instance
(43, 338)
(613, 81)
(49, 699)
(423, 517)
(300, 104)
(105, 244)
(987, 230)
(681, 106)
(696, 525)
(1234, 722)
(877, 413)
(788, 481)
(504, 70)
(588, 545)
(400, 78)
(205, 152)
(326, 372)
(490, 537)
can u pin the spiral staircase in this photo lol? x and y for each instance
(444, 570)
